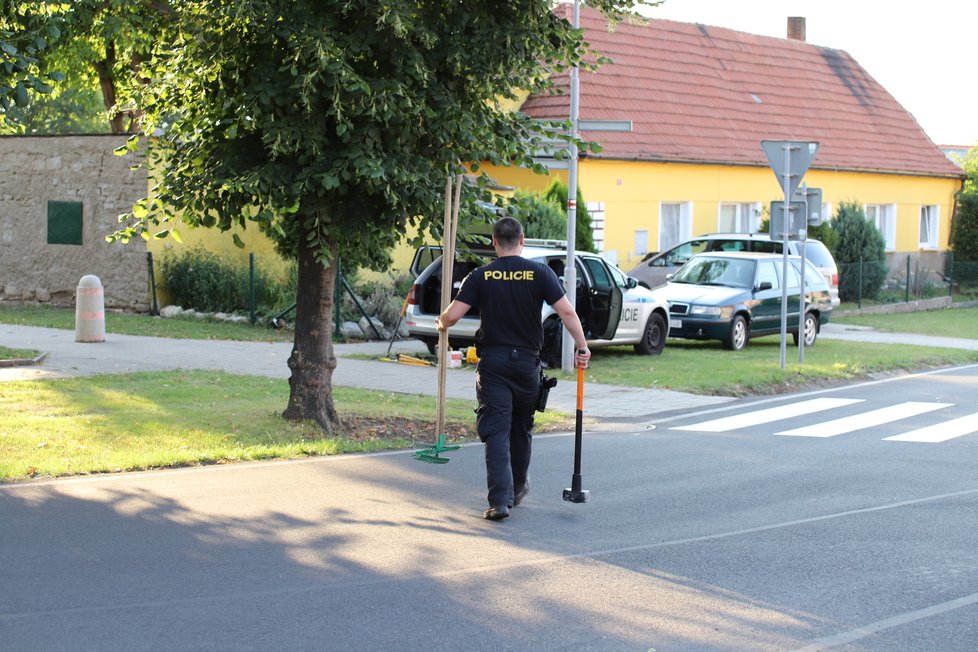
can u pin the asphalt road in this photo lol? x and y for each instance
(697, 537)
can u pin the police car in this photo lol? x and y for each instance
(614, 309)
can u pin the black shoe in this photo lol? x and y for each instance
(521, 494)
(496, 513)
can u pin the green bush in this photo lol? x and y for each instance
(540, 217)
(964, 238)
(201, 280)
(557, 195)
(860, 253)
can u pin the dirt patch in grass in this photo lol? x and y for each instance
(420, 431)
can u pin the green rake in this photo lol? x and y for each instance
(433, 455)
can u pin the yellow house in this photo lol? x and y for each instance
(700, 100)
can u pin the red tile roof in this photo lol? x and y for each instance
(697, 93)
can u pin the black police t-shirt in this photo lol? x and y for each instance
(509, 293)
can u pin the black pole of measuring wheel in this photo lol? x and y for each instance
(575, 494)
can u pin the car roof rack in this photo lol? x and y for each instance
(542, 242)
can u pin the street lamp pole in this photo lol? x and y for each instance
(570, 268)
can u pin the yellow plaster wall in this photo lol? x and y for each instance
(632, 191)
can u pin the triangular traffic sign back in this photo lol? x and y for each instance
(795, 164)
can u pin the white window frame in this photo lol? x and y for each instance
(884, 217)
(641, 242)
(930, 219)
(747, 217)
(685, 227)
(596, 210)
(826, 212)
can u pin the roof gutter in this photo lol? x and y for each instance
(761, 164)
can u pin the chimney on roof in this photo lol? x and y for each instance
(796, 28)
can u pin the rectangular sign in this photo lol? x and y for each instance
(796, 225)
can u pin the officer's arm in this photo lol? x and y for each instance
(455, 311)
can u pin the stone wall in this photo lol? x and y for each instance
(77, 170)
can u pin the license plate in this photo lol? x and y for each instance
(675, 323)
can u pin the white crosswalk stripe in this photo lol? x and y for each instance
(941, 431)
(770, 414)
(865, 419)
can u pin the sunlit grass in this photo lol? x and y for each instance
(153, 420)
(951, 322)
(707, 368)
(17, 354)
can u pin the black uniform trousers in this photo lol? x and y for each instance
(507, 382)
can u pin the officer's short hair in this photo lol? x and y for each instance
(507, 231)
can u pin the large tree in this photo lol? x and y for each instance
(332, 126)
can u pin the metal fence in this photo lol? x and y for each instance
(906, 277)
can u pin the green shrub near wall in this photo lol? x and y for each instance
(859, 252)
(199, 279)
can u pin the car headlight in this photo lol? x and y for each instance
(711, 311)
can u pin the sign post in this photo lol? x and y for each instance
(789, 160)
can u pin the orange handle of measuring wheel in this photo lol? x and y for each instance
(580, 389)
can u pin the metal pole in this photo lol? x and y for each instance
(570, 268)
(906, 294)
(801, 296)
(784, 251)
(251, 286)
(154, 304)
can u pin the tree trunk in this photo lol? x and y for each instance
(312, 360)
(106, 80)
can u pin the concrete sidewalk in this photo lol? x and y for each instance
(832, 331)
(130, 353)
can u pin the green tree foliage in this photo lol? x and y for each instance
(964, 226)
(332, 125)
(68, 109)
(556, 193)
(541, 218)
(26, 31)
(102, 49)
(859, 253)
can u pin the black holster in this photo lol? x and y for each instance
(546, 384)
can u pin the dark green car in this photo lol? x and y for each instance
(733, 297)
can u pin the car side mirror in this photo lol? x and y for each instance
(631, 282)
(764, 285)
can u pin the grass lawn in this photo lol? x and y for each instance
(18, 354)
(951, 322)
(125, 422)
(708, 368)
(26, 314)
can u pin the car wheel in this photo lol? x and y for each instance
(737, 338)
(811, 329)
(654, 337)
(432, 344)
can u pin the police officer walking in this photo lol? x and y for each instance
(509, 293)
